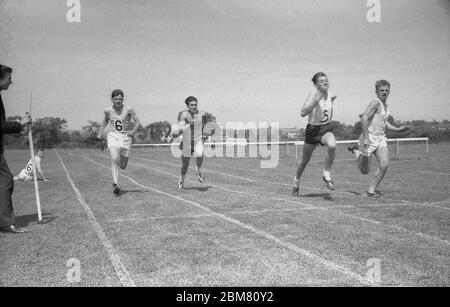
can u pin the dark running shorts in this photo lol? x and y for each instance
(314, 134)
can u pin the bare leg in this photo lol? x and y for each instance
(364, 163)
(308, 150)
(115, 160)
(123, 162)
(363, 159)
(184, 167)
(382, 155)
(330, 141)
(199, 161)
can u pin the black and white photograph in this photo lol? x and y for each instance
(224, 149)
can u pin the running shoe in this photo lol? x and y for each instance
(116, 189)
(373, 195)
(201, 178)
(295, 188)
(330, 183)
(353, 147)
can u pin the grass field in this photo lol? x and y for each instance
(243, 228)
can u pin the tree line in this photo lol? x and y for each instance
(49, 132)
(436, 131)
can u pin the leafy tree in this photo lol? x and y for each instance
(47, 131)
(155, 132)
(17, 139)
(90, 133)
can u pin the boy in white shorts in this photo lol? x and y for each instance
(373, 138)
(120, 134)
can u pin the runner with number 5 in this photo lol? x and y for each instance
(118, 119)
(319, 108)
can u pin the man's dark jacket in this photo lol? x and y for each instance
(6, 127)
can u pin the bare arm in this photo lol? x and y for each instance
(104, 124)
(15, 126)
(369, 113)
(136, 121)
(182, 122)
(393, 128)
(333, 96)
(39, 170)
(311, 101)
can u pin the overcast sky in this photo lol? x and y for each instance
(245, 60)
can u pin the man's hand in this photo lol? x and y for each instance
(333, 97)
(26, 120)
(404, 128)
(318, 96)
(130, 134)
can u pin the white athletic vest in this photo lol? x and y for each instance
(120, 122)
(197, 132)
(29, 167)
(322, 112)
(377, 125)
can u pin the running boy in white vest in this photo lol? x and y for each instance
(373, 138)
(120, 134)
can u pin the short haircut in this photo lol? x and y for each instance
(5, 69)
(189, 99)
(317, 76)
(382, 83)
(116, 93)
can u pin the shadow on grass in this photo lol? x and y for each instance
(28, 181)
(201, 189)
(123, 192)
(25, 220)
(325, 196)
(354, 193)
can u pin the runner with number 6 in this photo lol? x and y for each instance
(119, 135)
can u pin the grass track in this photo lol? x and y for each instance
(241, 229)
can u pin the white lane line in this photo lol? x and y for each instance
(442, 202)
(430, 205)
(425, 204)
(209, 215)
(325, 209)
(120, 269)
(228, 175)
(220, 187)
(246, 178)
(203, 169)
(249, 212)
(174, 217)
(409, 171)
(290, 246)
